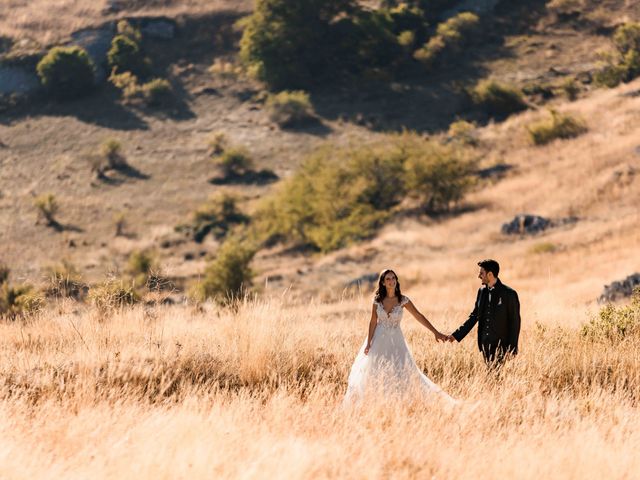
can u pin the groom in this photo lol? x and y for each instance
(497, 312)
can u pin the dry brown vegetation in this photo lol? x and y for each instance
(47, 22)
(160, 393)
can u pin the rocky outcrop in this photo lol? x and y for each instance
(620, 289)
(526, 224)
(18, 80)
(97, 42)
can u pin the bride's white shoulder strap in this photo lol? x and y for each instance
(404, 300)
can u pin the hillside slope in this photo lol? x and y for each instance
(44, 149)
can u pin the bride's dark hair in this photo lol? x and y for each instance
(381, 292)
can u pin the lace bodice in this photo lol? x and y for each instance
(394, 317)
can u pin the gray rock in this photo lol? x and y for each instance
(18, 80)
(161, 29)
(497, 171)
(96, 42)
(525, 223)
(620, 289)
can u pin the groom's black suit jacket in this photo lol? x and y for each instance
(501, 327)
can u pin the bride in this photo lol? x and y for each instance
(384, 360)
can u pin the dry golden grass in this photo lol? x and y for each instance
(51, 21)
(180, 392)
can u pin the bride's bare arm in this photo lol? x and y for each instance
(423, 320)
(372, 328)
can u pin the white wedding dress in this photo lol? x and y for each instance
(389, 368)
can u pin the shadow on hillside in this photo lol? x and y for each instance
(61, 227)
(100, 108)
(428, 101)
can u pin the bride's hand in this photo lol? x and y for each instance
(366, 349)
(440, 337)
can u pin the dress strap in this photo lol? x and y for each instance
(404, 300)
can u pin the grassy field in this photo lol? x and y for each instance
(197, 391)
(184, 393)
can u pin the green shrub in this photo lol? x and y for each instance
(157, 92)
(543, 247)
(571, 89)
(217, 144)
(111, 152)
(560, 125)
(624, 65)
(112, 294)
(126, 29)
(67, 72)
(63, 280)
(154, 93)
(626, 38)
(229, 275)
(142, 265)
(18, 301)
(47, 208)
(217, 216)
(291, 44)
(340, 196)
(463, 132)
(290, 109)
(451, 36)
(497, 99)
(234, 162)
(125, 55)
(438, 175)
(615, 323)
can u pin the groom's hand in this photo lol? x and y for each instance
(450, 338)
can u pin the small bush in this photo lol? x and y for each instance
(229, 275)
(126, 29)
(217, 216)
(225, 70)
(543, 248)
(141, 265)
(125, 55)
(451, 36)
(217, 144)
(19, 301)
(4, 273)
(157, 92)
(47, 208)
(624, 65)
(571, 89)
(234, 162)
(615, 323)
(67, 72)
(291, 109)
(497, 99)
(627, 38)
(463, 132)
(113, 294)
(111, 151)
(63, 280)
(560, 126)
(120, 224)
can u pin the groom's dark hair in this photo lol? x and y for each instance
(490, 266)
